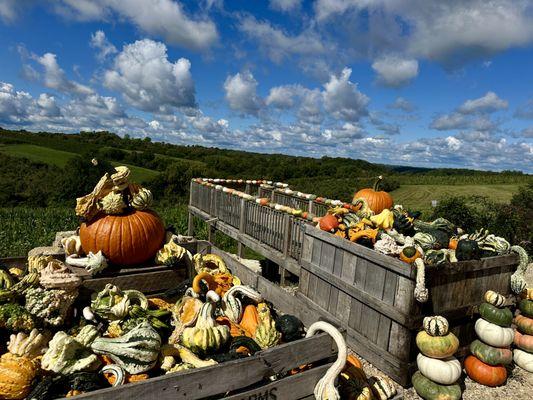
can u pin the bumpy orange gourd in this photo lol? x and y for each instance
(376, 199)
(128, 239)
(485, 374)
(328, 223)
(16, 376)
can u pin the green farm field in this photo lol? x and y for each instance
(60, 158)
(418, 197)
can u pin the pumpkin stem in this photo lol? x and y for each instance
(378, 181)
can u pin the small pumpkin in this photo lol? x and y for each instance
(445, 372)
(436, 325)
(437, 346)
(409, 254)
(328, 223)
(491, 355)
(353, 382)
(128, 239)
(499, 316)
(526, 307)
(430, 390)
(494, 298)
(523, 359)
(524, 324)
(485, 374)
(493, 334)
(525, 342)
(16, 376)
(376, 199)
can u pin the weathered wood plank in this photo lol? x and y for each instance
(229, 376)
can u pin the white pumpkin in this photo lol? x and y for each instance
(446, 371)
(493, 334)
(523, 359)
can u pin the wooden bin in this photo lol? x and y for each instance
(371, 296)
(243, 379)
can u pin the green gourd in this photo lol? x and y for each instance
(526, 307)
(467, 250)
(290, 327)
(137, 351)
(429, 390)
(518, 279)
(425, 240)
(491, 355)
(499, 316)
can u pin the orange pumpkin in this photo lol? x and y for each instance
(485, 374)
(127, 239)
(328, 223)
(250, 320)
(376, 199)
(409, 254)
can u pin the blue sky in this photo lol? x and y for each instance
(413, 82)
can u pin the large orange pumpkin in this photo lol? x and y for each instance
(127, 239)
(376, 199)
(485, 374)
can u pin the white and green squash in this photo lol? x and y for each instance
(436, 325)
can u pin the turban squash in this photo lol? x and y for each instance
(128, 239)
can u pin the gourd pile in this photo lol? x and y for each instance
(491, 352)
(523, 339)
(438, 371)
(372, 221)
(62, 343)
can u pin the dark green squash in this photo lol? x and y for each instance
(86, 381)
(430, 390)
(499, 316)
(48, 388)
(245, 341)
(467, 250)
(403, 224)
(526, 307)
(491, 355)
(291, 327)
(443, 239)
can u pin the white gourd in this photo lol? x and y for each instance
(421, 293)
(492, 334)
(523, 359)
(436, 325)
(446, 371)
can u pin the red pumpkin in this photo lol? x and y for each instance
(127, 239)
(377, 200)
(329, 223)
(485, 374)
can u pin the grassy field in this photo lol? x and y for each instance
(60, 158)
(418, 197)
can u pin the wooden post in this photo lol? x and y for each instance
(247, 188)
(242, 225)
(311, 206)
(190, 222)
(287, 225)
(272, 195)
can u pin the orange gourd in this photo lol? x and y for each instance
(234, 329)
(409, 254)
(16, 376)
(328, 223)
(376, 199)
(250, 320)
(128, 239)
(224, 282)
(485, 374)
(453, 243)
(207, 278)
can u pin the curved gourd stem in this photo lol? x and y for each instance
(421, 293)
(325, 388)
(117, 371)
(518, 281)
(378, 182)
(232, 306)
(207, 278)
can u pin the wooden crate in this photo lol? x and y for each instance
(371, 296)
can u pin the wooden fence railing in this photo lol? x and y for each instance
(276, 232)
(293, 201)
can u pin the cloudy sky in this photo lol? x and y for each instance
(414, 82)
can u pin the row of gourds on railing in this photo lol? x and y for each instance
(490, 355)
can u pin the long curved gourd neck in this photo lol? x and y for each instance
(205, 317)
(378, 182)
(244, 290)
(325, 388)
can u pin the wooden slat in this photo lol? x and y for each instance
(355, 292)
(219, 379)
(361, 251)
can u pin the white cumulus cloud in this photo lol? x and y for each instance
(395, 71)
(241, 93)
(147, 80)
(488, 103)
(342, 98)
(100, 42)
